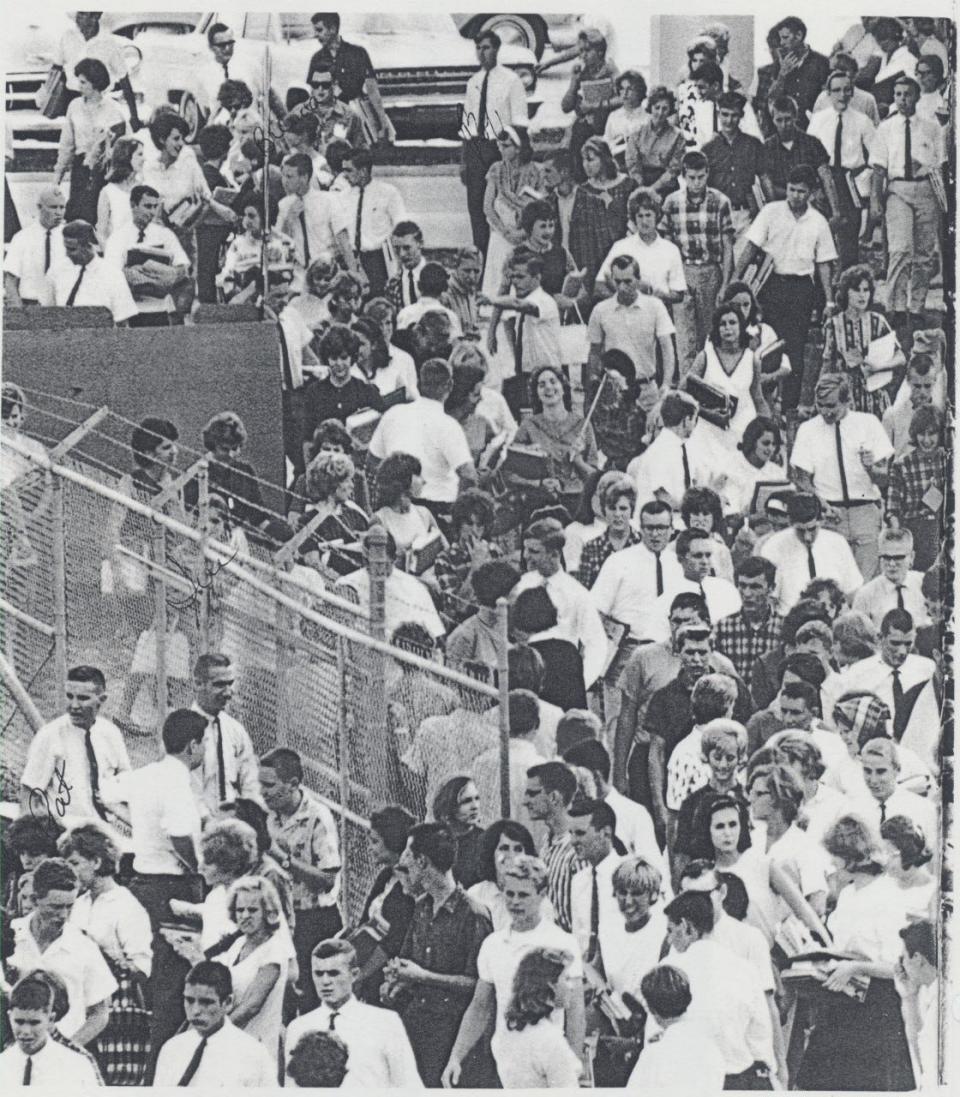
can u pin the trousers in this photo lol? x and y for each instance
(913, 241)
(478, 155)
(693, 314)
(860, 526)
(787, 301)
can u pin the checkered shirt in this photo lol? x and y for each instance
(698, 229)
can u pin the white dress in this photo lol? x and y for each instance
(118, 208)
(266, 1025)
(736, 384)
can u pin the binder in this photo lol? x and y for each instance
(424, 551)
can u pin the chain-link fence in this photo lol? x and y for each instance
(99, 572)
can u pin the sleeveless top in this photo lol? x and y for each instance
(737, 384)
(119, 200)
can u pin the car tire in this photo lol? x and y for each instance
(189, 109)
(523, 29)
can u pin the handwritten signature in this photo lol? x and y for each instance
(40, 800)
(200, 585)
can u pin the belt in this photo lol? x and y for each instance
(920, 179)
(794, 277)
(854, 503)
(739, 209)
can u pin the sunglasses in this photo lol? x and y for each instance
(891, 559)
(225, 45)
(323, 83)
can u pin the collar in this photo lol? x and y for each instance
(195, 707)
(451, 903)
(284, 819)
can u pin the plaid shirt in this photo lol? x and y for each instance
(450, 570)
(743, 644)
(594, 554)
(911, 477)
(698, 228)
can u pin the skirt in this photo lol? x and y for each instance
(121, 1050)
(858, 1045)
(874, 403)
(85, 186)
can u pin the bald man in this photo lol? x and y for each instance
(34, 250)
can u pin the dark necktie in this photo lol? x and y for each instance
(482, 113)
(883, 812)
(226, 69)
(47, 245)
(518, 345)
(334, 1014)
(897, 699)
(838, 143)
(76, 286)
(28, 1070)
(843, 472)
(306, 239)
(411, 287)
(356, 234)
(811, 563)
(686, 466)
(659, 574)
(94, 774)
(703, 593)
(194, 1065)
(900, 604)
(907, 151)
(141, 234)
(221, 771)
(594, 944)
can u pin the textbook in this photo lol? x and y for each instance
(423, 552)
(530, 462)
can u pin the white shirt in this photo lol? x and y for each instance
(879, 595)
(874, 675)
(76, 959)
(125, 237)
(52, 1065)
(118, 923)
(506, 103)
(926, 146)
(823, 810)
(862, 102)
(249, 69)
(925, 728)
(380, 1053)
(163, 805)
(832, 558)
(727, 1001)
(626, 587)
(660, 263)
(277, 951)
(401, 372)
(683, 1058)
(634, 827)
(577, 619)
(324, 218)
(686, 770)
(231, 1059)
(183, 178)
(796, 244)
(25, 257)
(241, 767)
(60, 747)
(502, 951)
(425, 431)
(901, 61)
(103, 46)
(383, 207)
(610, 925)
(404, 274)
(535, 1057)
(407, 599)
(632, 955)
(747, 943)
(102, 285)
(540, 334)
(660, 467)
(856, 136)
(815, 453)
(410, 315)
(722, 597)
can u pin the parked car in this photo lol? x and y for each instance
(422, 64)
(528, 29)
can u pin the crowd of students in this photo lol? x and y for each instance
(657, 406)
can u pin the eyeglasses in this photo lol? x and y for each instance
(887, 559)
(225, 45)
(323, 83)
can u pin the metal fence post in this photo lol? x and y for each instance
(203, 504)
(59, 546)
(503, 684)
(376, 735)
(345, 768)
(160, 622)
(284, 651)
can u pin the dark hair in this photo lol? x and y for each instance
(533, 610)
(693, 907)
(408, 228)
(367, 327)
(803, 691)
(446, 800)
(181, 728)
(235, 95)
(213, 30)
(685, 540)
(493, 580)
(148, 434)
(851, 278)
(516, 832)
(393, 824)
(622, 363)
(524, 712)
(584, 512)
(601, 814)
(807, 609)
(785, 104)
(698, 500)
(224, 429)
(433, 279)
(435, 843)
(93, 843)
(736, 902)
(704, 817)
(661, 92)
(634, 78)
(466, 377)
(524, 256)
(163, 123)
(921, 937)
(96, 72)
(214, 141)
(81, 231)
(535, 211)
(793, 25)
(732, 100)
(361, 158)
(53, 874)
(534, 992)
(394, 478)
(472, 503)
(33, 835)
(909, 840)
(285, 762)
(255, 816)
(666, 991)
(336, 341)
(85, 673)
(709, 71)
(690, 599)
(526, 668)
(211, 973)
(556, 777)
(755, 430)
(694, 160)
(727, 309)
(935, 62)
(804, 175)
(436, 376)
(590, 754)
(336, 152)
(753, 567)
(677, 407)
(850, 840)
(318, 1059)
(34, 992)
(490, 36)
(806, 666)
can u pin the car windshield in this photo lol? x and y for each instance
(297, 25)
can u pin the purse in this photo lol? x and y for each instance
(716, 406)
(52, 98)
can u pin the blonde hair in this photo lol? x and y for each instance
(269, 899)
(525, 867)
(637, 872)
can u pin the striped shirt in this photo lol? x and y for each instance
(562, 863)
(698, 227)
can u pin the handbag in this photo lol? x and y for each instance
(52, 98)
(716, 406)
(574, 343)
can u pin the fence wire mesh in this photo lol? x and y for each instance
(140, 592)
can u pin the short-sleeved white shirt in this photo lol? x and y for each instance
(832, 557)
(661, 263)
(163, 805)
(502, 951)
(815, 452)
(926, 146)
(425, 431)
(103, 285)
(51, 1065)
(634, 329)
(25, 257)
(796, 244)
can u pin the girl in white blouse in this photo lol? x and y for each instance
(126, 168)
